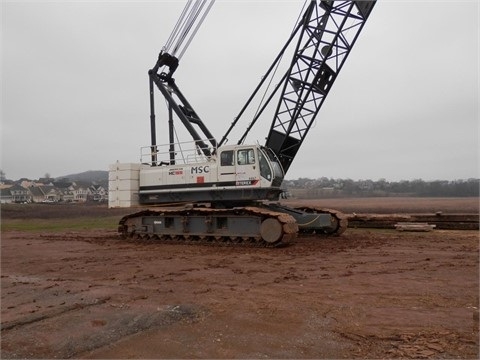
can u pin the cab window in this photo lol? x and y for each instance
(246, 157)
(226, 158)
(265, 170)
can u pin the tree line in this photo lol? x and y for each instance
(348, 187)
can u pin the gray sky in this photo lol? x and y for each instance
(75, 86)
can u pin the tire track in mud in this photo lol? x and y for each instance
(50, 314)
(79, 301)
(80, 328)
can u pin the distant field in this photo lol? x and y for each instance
(60, 225)
(390, 205)
(59, 217)
(58, 210)
(381, 205)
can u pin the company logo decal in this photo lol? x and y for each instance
(200, 169)
(246, 182)
(175, 172)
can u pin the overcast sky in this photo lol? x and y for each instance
(75, 85)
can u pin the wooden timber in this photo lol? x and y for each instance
(440, 220)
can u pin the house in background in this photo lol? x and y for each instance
(20, 194)
(52, 194)
(45, 193)
(37, 194)
(15, 194)
(66, 195)
(80, 193)
(5, 196)
(48, 190)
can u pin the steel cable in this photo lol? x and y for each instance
(182, 32)
(177, 27)
(197, 27)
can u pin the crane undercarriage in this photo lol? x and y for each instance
(264, 225)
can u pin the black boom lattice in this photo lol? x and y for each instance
(330, 29)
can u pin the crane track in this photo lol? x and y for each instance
(274, 228)
(207, 241)
(340, 218)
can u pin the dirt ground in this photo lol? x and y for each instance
(366, 294)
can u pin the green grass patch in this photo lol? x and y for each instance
(79, 223)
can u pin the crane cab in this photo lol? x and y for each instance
(234, 173)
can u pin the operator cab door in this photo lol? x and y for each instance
(247, 172)
(227, 170)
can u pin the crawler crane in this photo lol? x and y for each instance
(218, 192)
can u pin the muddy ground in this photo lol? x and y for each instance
(366, 294)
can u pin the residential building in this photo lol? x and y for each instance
(20, 194)
(5, 196)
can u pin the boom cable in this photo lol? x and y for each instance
(278, 64)
(177, 27)
(197, 27)
(262, 103)
(192, 17)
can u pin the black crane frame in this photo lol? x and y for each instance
(330, 30)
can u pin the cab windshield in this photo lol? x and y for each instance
(274, 168)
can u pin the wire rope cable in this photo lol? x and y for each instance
(193, 13)
(267, 88)
(202, 19)
(177, 27)
(192, 17)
